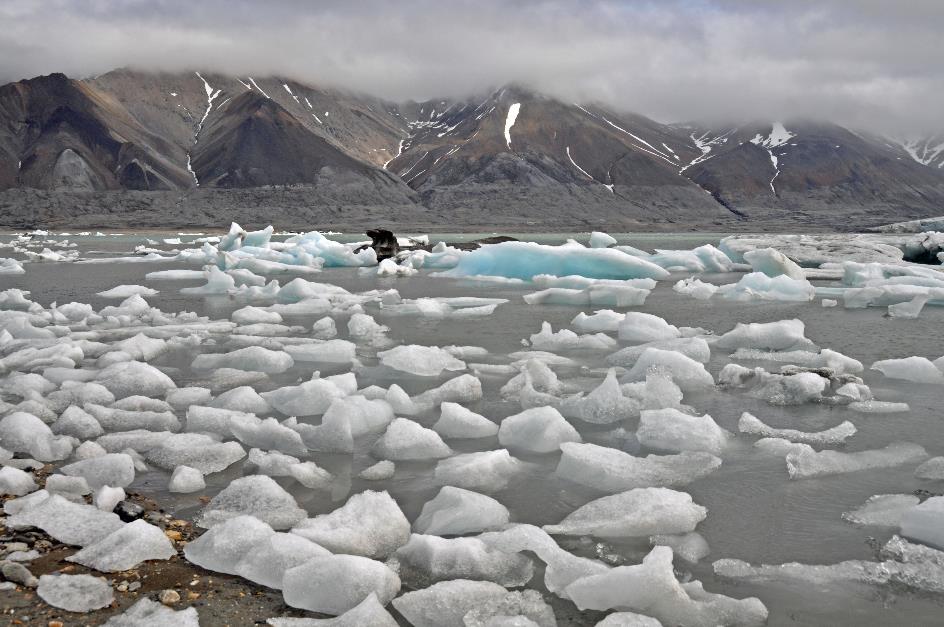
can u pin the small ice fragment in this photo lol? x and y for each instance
(75, 593)
(185, 480)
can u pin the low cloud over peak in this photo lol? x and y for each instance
(863, 63)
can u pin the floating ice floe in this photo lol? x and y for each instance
(671, 430)
(749, 423)
(882, 510)
(611, 470)
(915, 369)
(429, 361)
(775, 336)
(456, 421)
(433, 559)
(759, 286)
(695, 288)
(11, 266)
(405, 439)
(487, 471)
(454, 511)
(809, 463)
(634, 513)
(651, 587)
(605, 404)
(925, 522)
(524, 260)
(687, 373)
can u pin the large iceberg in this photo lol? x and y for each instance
(525, 260)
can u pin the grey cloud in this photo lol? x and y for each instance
(865, 63)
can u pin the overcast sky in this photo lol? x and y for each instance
(869, 63)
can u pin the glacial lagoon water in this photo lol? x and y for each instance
(755, 512)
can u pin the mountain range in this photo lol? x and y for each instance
(151, 150)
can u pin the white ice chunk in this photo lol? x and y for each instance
(15, 482)
(75, 593)
(434, 559)
(931, 470)
(446, 602)
(634, 513)
(456, 421)
(196, 450)
(695, 288)
(651, 587)
(185, 480)
(687, 373)
(909, 310)
(121, 292)
(107, 497)
(255, 495)
(331, 352)
(773, 263)
(603, 320)
(134, 378)
(925, 522)
(379, 471)
(537, 430)
(916, 369)
(21, 432)
(601, 240)
(611, 470)
(809, 463)
(405, 439)
(835, 435)
(455, 511)
(148, 613)
(125, 548)
(882, 510)
(370, 524)
(112, 469)
(221, 548)
(691, 546)
(781, 335)
(487, 471)
(671, 430)
(70, 523)
(424, 361)
(604, 405)
(251, 358)
(640, 327)
(266, 562)
(334, 584)
(307, 399)
(367, 612)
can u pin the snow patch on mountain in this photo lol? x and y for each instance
(654, 152)
(927, 151)
(211, 96)
(259, 88)
(778, 136)
(290, 93)
(510, 120)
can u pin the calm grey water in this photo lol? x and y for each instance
(755, 512)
